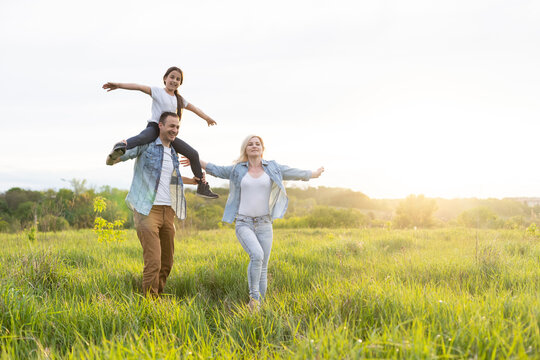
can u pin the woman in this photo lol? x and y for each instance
(256, 197)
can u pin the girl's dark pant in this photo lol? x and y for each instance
(152, 132)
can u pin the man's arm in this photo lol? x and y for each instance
(131, 153)
(189, 181)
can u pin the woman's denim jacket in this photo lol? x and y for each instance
(276, 172)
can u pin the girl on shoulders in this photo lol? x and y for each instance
(164, 99)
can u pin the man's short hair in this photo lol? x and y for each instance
(165, 115)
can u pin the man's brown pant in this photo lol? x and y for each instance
(156, 234)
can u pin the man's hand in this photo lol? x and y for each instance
(190, 181)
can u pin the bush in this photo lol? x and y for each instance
(480, 217)
(415, 211)
(4, 226)
(52, 223)
(326, 217)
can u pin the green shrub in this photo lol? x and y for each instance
(415, 211)
(326, 217)
(480, 217)
(52, 223)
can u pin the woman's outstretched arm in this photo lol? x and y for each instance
(223, 172)
(298, 174)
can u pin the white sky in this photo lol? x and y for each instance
(392, 97)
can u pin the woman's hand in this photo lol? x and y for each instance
(110, 86)
(315, 174)
(184, 161)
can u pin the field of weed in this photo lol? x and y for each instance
(333, 294)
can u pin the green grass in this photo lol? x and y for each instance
(342, 294)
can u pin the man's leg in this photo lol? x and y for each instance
(148, 233)
(166, 236)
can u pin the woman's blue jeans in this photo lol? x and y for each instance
(255, 235)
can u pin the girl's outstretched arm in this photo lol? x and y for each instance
(201, 114)
(113, 86)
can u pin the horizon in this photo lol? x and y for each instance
(291, 185)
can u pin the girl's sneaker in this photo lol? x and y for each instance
(118, 150)
(203, 190)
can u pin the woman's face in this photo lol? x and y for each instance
(173, 80)
(254, 147)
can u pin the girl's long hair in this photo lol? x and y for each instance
(243, 157)
(179, 99)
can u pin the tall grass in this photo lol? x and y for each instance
(343, 294)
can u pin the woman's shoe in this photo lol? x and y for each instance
(254, 305)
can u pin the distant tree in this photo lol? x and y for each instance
(25, 213)
(415, 211)
(515, 222)
(79, 186)
(16, 196)
(4, 205)
(328, 217)
(480, 217)
(337, 197)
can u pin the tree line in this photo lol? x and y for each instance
(56, 210)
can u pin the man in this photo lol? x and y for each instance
(155, 196)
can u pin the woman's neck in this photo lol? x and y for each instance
(254, 161)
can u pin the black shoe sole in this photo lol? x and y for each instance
(207, 196)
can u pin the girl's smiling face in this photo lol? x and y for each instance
(173, 80)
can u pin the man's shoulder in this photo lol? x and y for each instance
(137, 151)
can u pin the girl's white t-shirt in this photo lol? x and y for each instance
(163, 194)
(162, 102)
(255, 195)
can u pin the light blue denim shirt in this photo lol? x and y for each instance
(146, 175)
(276, 172)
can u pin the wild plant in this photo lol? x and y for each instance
(107, 231)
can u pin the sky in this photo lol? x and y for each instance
(392, 97)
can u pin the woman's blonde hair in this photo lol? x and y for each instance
(243, 156)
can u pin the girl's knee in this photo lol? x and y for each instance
(193, 155)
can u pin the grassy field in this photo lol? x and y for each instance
(341, 294)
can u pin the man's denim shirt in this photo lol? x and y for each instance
(146, 175)
(276, 172)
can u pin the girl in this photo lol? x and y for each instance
(256, 197)
(163, 100)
